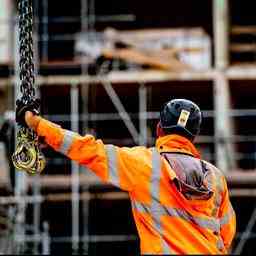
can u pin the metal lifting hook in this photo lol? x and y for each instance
(28, 157)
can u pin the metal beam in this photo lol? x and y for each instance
(20, 177)
(84, 18)
(46, 241)
(143, 114)
(221, 33)
(121, 110)
(232, 73)
(74, 98)
(246, 234)
(223, 126)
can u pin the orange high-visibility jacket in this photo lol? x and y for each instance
(167, 222)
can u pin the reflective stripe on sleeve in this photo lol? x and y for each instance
(220, 244)
(141, 208)
(227, 217)
(217, 196)
(155, 197)
(112, 165)
(67, 142)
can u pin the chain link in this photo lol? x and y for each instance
(27, 69)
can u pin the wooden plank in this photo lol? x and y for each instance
(242, 47)
(241, 178)
(152, 59)
(140, 38)
(239, 72)
(236, 192)
(238, 30)
(133, 37)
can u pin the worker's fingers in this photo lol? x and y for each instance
(32, 120)
(28, 117)
(28, 114)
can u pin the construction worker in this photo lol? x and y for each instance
(180, 202)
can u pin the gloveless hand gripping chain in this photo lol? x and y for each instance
(28, 156)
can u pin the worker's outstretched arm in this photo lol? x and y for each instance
(119, 166)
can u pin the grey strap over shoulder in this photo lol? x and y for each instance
(192, 174)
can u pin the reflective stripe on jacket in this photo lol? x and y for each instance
(167, 222)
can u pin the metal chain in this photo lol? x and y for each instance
(27, 69)
(28, 156)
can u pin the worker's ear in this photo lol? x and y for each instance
(159, 131)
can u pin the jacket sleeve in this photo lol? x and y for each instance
(116, 165)
(227, 218)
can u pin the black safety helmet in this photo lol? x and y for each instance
(182, 117)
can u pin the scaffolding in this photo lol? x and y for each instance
(137, 124)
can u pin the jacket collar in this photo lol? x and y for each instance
(176, 143)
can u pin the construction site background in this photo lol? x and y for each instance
(106, 68)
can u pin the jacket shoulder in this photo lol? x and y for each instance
(213, 168)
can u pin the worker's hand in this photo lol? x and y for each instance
(21, 109)
(32, 120)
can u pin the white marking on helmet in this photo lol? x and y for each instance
(184, 115)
